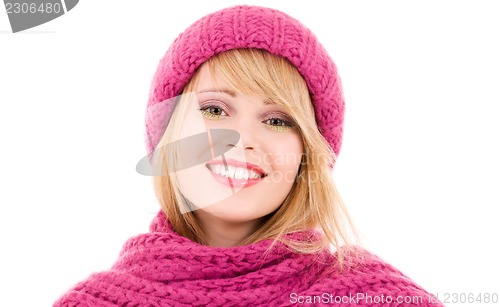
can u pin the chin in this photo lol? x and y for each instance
(236, 212)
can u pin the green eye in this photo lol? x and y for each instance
(212, 112)
(279, 124)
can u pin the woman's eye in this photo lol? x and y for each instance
(212, 111)
(279, 124)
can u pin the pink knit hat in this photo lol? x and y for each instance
(248, 27)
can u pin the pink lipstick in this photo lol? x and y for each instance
(236, 174)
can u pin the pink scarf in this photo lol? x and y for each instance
(162, 268)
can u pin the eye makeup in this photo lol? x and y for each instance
(215, 104)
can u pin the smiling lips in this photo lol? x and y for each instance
(235, 173)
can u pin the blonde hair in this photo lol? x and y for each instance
(313, 202)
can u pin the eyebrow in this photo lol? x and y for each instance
(214, 90)
(232, 94)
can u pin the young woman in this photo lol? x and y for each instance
(243, 127)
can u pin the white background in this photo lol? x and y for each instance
(418, 168)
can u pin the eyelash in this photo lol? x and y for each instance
(286, 125)
(209, 114)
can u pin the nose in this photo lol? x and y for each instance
(218, 140)
(247, 129)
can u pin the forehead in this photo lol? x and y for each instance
(212, 82)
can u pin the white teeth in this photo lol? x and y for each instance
(234, 172)
(239, 174)
(230, 172)
(254, 176)
(219, 169)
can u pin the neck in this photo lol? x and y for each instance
(221, 233)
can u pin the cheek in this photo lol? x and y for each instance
(287, 153)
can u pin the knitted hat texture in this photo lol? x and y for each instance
(248, 27)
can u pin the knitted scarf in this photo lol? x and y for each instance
(163, 268)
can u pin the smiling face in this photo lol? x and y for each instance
(255, 175)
